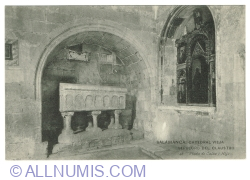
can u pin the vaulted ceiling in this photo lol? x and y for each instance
(125, 51)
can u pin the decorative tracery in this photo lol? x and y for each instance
(194, 36)
(195, 57)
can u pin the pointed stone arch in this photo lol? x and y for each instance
(172, 30)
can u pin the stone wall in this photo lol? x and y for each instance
(36, 28)
(227, 121)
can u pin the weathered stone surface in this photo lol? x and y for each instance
(38, 27)
(30, 13)
(136, 135)
(90, 140)
(10, 11)
(18, 24)
(59, 18)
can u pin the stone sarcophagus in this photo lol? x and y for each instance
(79, 97)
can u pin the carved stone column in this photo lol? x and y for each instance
(117, 114)
(95, 127)
(112, 121)
(67, 121)
(90, 126)
(67, 132)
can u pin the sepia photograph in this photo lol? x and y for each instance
(125, 82)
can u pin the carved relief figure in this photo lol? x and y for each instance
(197, 19)
(182, 55)
(181, 87)
(197, 81)
(200, 82)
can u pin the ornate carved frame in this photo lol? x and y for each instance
(206, 35)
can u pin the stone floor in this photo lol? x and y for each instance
(121, 144)
(177, 151)
(118, 153)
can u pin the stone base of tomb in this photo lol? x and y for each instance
(91, 140)
(136, 134)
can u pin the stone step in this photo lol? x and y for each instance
(89, 141)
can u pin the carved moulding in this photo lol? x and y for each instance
(79, 97)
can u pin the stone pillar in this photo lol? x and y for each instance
(90, 126)
(67, 132)
(117, 125)
(95, 127)
(67, 121)
(112, 121)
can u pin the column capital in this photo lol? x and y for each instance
(64, 114)
(96, 112)
(118, 111)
